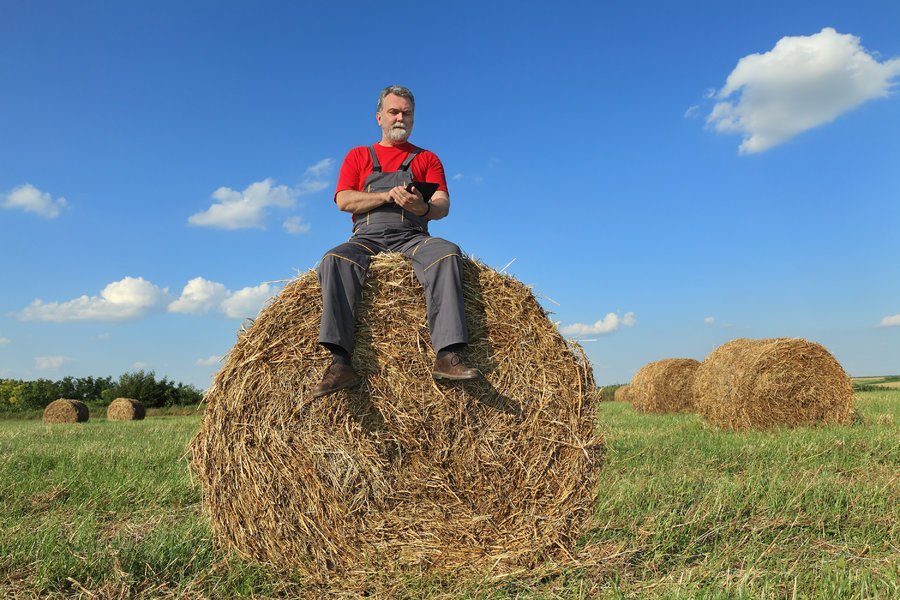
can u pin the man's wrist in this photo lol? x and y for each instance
(427, 209)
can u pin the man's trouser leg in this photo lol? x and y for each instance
(341, 276)
(438, 266)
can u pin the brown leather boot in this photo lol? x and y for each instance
(337, 377)
(451, 366)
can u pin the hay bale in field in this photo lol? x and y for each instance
(773, 382)
(125, 409)
(402, 472)
(623, 393)
(664, 386)
(65, 410)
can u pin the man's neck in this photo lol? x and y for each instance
(391, 143)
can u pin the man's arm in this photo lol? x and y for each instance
(356, 202)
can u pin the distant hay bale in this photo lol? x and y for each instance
(125, 409)
(65, 410)
(402, 472)
(623, 393)
(665, 386)
(773, 382)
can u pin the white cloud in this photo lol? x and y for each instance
(4, 341)
(128, 298)
(709, 320)
(207, 362)
(803, 82)
(243, 210)
(248, 301)
(457, 177)
(139, 365)
(30, 199)
(608, 324)
(50, 362)
(199, 296)
(692, 111)
(295, 225)
(891, 321)
(247, 210)
(321, 168)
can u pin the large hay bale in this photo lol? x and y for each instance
(402, 472)
(125, 409)
(773, 382)
(66, 410)
(664, 386)
(623, 393)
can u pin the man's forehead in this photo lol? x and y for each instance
(395, 101)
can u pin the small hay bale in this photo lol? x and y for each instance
(125, 409)
(665, 386)
(402, 473)
(773, 382)
(65, 410)
(623, 393)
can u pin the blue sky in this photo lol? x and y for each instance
(666, 176)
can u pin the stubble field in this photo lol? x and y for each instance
(108, 510)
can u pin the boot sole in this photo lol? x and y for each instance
(437, 375)
(335, 390)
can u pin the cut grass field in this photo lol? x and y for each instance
(107, 510)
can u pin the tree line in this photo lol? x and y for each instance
(143, 386)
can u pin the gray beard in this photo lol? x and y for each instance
(398, 134)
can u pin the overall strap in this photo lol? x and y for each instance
(408, 160)
(376, 166)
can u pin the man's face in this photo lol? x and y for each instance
(395, 118)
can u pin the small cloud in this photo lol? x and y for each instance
(457, 177)
(802, 83)
(709, 320)
(48, 363)
(30, 199)
(247, 302)
(207, 362)
(608, 324)
(321, 168)
(243, 210)
(128, 298)
(692, 112)
(140, 366)
(248, 209)
(199, 296)
(5, 341)
(295, 225)
(104, 336)
(891, 321)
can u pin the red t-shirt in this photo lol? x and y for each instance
(426, 166)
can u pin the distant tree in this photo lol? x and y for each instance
(143, 387)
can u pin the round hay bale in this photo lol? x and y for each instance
(402, 472)
(773, 382)
(664, 386)
(623, 393)
(65, 410)
(125, 409)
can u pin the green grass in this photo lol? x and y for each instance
(685, 511)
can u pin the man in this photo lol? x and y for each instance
(391, 215)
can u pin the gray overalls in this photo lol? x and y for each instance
(388, 228)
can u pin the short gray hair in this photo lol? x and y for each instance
(397, 90)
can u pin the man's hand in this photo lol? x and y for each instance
(411, 201)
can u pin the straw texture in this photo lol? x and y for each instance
(125, 409)
(402, 473)
(664, 386)
(623, 393)
(65, 410)
(773, 382)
